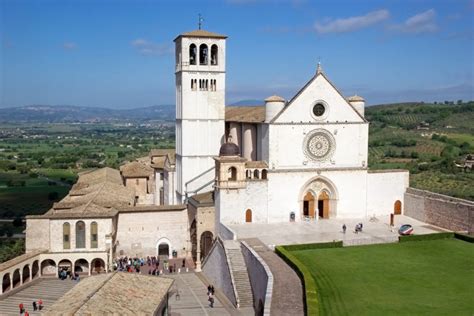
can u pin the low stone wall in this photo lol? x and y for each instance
(226, 233)
(261, 279)
(216, 269)
(440, 210)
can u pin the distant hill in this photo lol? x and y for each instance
(249, 102)
(70, 113)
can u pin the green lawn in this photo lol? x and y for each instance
(414, 278)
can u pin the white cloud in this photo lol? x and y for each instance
(69, 45)
(146, 47)
(424, 22)
(352, 24)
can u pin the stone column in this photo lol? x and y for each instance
(235, 133)
(90, 268)
(198, 251)
(31, 272)
(249, 142)
(21, 277)
(11, 281)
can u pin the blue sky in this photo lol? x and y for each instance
(119, 54)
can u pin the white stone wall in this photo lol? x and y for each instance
(232, 204)
(37, 234)
(138, 233)
(104, 227)
(384, 189)
(351, 145)
(287, 190)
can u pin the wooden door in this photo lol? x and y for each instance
(397, 208)
(248, 216)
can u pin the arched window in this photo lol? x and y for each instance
(264, 174)
(248, 174)
(256, 174)
(232, 174)
(66, 236)
(207, 84)
(94, 242)
(248, 216)
(80, 234)
(203, 54)
(214, 51)
(192, 54)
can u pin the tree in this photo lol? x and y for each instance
(17, 222)
(52, 196)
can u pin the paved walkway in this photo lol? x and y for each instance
(287, 294)
(378, 231)
(192, 298)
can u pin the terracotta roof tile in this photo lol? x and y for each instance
(245, 114)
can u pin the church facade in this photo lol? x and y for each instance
(298, 160)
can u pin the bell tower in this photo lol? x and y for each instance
(200, 109)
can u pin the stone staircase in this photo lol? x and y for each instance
(238, 268)
(48, 289)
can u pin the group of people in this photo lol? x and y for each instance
(64, 273)
(129, 264)
(357, 229)
(210, 295)
(37, 305)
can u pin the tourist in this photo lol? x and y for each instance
(26, 313)
(344, 228)
(184, 263)
(212, 289)
(21, 308)
(208, 289)
(211, 300)
(35, 307)
(40, 304)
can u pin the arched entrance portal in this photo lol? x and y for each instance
(248, 216)
(206, 243)
(323, 205)
(163, 248)
(397, 208)
(318, 198)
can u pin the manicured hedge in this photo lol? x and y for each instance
(311, 302)
(321, 245)
(425, 237)
(464, 237)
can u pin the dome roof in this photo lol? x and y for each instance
(355, 98)
(274, 98)
(229, 149)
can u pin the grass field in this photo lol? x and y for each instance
(414, 278)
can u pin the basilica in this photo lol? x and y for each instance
(303, 159)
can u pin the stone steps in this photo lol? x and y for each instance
(239, 272)
(49, 290)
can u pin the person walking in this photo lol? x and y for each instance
(35, 307)
(211, 300)
(26, 313)
(21, 308)
(344, 227)
(40, 304)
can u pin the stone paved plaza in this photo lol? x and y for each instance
(378, 231)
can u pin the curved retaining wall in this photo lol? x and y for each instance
(261, 279)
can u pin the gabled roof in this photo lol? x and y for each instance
(136, 169)
(117, 293)
(319, 73)
(201, 33)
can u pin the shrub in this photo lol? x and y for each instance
(321, 245)
(434, 236)
(464, 237)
